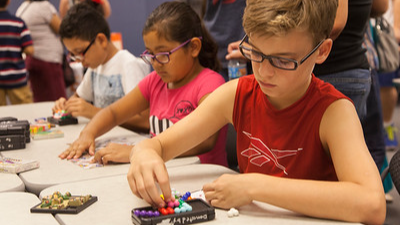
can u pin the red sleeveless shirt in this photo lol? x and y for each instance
(283, 143)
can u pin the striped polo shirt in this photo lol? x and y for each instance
(14, 37)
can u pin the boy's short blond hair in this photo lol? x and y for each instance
(277, 17)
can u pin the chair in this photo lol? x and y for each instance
(394, 170)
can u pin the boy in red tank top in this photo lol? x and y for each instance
(289, 124)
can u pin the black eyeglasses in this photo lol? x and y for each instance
(279, 62)
(81, 55)
(162, 57)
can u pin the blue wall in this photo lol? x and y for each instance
(127, 17)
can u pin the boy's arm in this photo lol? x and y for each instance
(204, 146)
(147, 158)
(357, 196)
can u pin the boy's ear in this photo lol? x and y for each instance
(324, 50)
(195, 46)
(102, 38)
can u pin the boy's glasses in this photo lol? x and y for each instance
(279, 62)
(162, 57)
(81, 55)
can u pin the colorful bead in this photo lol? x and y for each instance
(164, 211)
(170, 210)
(176, 205)
(171, 204)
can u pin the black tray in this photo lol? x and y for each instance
(63, 121)
(201, 212)
(67, 210)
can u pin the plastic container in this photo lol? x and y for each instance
(236, 68)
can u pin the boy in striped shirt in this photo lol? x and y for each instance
(15, 39)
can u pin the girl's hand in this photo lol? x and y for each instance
(113, 152)
(228, 191)
(76, 149)
(79, 107)
(147, 168)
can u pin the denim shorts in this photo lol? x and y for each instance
(355, 84)
(386, 79)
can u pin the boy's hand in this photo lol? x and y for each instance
(59, 105)
(223, 192)
(79, 146)
(113, 152)
(146, 169)
(79, 107)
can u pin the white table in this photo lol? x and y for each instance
(115, 200)
(15, 210)
(10, 182)
(52, 169)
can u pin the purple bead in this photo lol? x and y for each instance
(143, 213)
(137, 212)
(149, 213)
(156, 213)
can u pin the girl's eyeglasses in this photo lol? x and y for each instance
(279, 62)
(162, 57)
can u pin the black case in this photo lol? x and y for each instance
(12, 142)
(13, 127)
(201, 212)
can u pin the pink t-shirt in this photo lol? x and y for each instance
(167, 106)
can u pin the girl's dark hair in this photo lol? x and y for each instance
(177, 21)
(84, 22)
